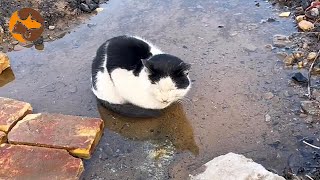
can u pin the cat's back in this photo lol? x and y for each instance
(126, 52)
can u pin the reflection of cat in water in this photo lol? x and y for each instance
(172, 124)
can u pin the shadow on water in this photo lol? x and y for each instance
(6, 77)
(172, 124)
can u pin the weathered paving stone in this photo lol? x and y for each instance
(78, 135)
(3, 137)
(12, 111)
(30, 163)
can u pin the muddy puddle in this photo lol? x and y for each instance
(233, 75)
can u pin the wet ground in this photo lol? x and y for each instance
(233, 77)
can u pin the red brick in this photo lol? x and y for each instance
(30, 162)
(12, 111)
(3, 137)
(78, 135)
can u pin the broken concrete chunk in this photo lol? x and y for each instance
(4, 62)
(12, 111)
(78, 135)
(311, 107)
(3, 137)
(233, 167)
(29, 162)
(281, 41)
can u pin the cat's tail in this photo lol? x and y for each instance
(130, 110)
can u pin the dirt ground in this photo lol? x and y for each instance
(62, 14)
(302, 43)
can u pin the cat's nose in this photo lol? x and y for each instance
(165, 101)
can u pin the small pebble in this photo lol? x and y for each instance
(268, 118)
(300, 18)
(18, 48)
(99, 9)
(15, 42)
(303, 115)
(268, 95)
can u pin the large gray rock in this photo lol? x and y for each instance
(233, 167)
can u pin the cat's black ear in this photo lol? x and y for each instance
(185, 68)
(148, 65)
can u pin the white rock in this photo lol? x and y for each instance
(314, 12)
(268, 118)
(99, 9)
(234, 167)
(52, 27)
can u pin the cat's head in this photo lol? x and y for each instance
(169, 77)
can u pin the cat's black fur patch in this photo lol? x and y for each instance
(98, 62)
(126, 53)
(130, 110)
(165, 65)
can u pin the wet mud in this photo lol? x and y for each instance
(233, 74)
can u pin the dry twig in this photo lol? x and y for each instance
(309, 177)
(311, 145)
(309, 75)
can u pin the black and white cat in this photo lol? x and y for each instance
(129, 72)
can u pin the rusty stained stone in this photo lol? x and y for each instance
(30, 163)
(12, 111)
(78, 135)
(3, 137)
